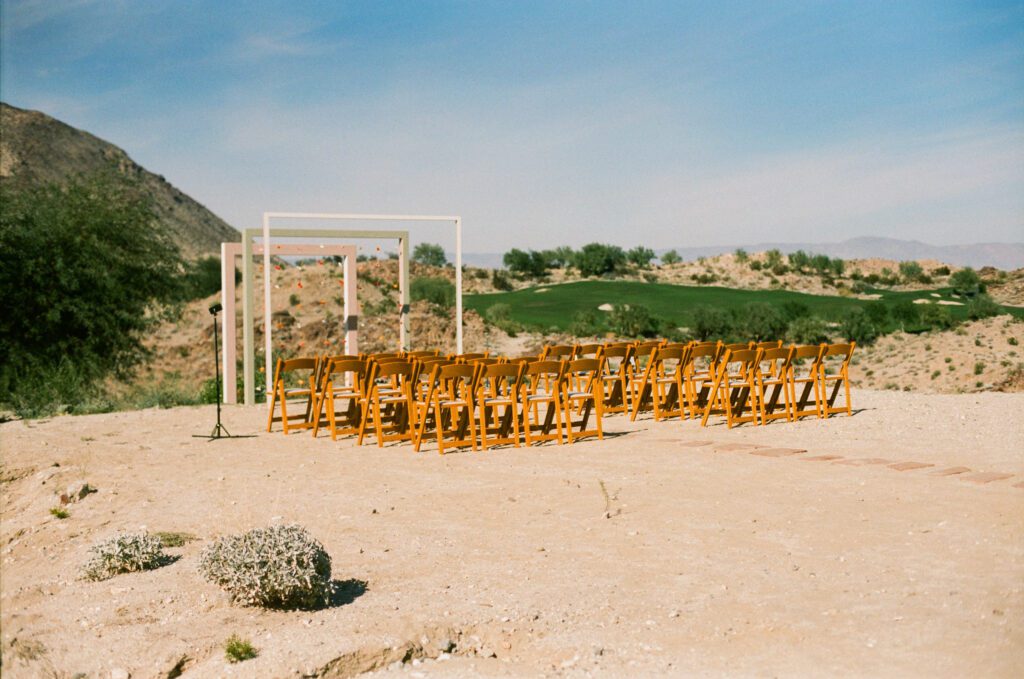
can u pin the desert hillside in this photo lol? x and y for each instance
(37, 149)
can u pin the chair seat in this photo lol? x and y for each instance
(540, 397)
(392, 399)
(580, 394)
(498, 401)
(455, 403)
(296, 392)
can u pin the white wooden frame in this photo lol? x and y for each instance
(403, 268)
(228, 268)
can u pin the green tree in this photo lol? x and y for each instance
(429, 254)
(527, 263)
(773, 258)
(86, 270)
(671, 257)
(202, 278)
(821, 263)
(559, 258)
(585, 323)
(710, 323)
(937, 317)
(741, 255)
(595, 259)
(640, 256)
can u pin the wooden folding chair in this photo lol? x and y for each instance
(345, 383)
(556, 352)
(699, 375)
(281, 393)
(587, 396)
(452, 403)
(735, 387)
(615, 377)
(466, 358)
(772, 369)
(639, 400)
(498, 387)
(804, 369)
(667, 381)
(839, 377)
(586, 350)
(388, 404)
(542, 386)
(426, 353)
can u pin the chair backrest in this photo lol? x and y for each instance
(465, 358)
(544, 369)
(586, 350)
(769, 345)
(841, 353)
(298, 364)
(746, 359)
(812, 352)
(400, 369)
(554, 352)
(427, 353)
(584, 368)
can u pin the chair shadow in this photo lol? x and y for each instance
(344, 592)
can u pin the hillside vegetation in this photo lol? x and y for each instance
(37, 150)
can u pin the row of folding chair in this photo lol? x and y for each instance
(406, 396)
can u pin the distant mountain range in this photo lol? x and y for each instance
(36, 149)
(1006, 256)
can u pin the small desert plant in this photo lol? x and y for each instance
(275, 567)
(979, 368)
(60, 512)
(125, 553)
(237, 649)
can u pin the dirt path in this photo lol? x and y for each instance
(812, 548)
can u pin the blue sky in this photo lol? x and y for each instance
(542, 123)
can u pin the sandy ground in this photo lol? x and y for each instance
(706, 558)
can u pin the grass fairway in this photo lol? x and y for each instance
(553, 306)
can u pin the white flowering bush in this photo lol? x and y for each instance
(124, 553)
(275, 567)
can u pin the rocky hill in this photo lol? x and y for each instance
(37, 149)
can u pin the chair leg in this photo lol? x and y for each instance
(273, 402)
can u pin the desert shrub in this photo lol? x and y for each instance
(86, 271)
(911, 271)
(761, 321)
(799, 260)
(982, 306)
(500, 315)
(585, 323)
(640, 256)
(632, 320)
(793, 310)
(671, 257)
(237, 649)
(941, 271)
(966, 282)
(906, 313)
(275, 567)
(755, 265)
(877, 313)
(807, 330)
(437, 291)
(202, 278)
(174, 538)
(780, 269)
(857, 327)
(293, 299)
(937, 317)
(500, 281)
(596, 259)
(59, 512)
(772, 258)
(429, 254)
(741, 255)
(711, 323)
(125, 553)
